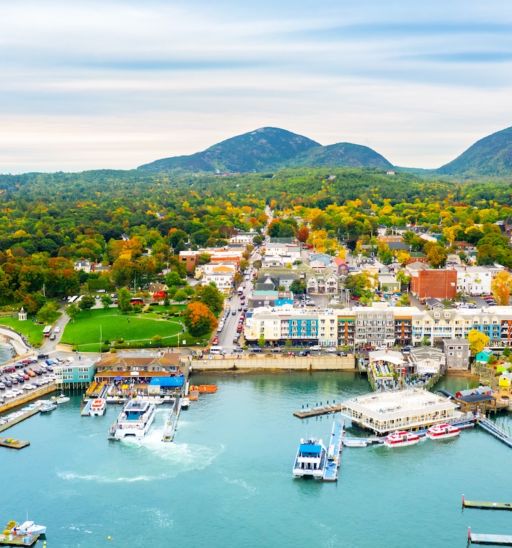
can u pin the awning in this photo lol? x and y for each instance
(168, 382)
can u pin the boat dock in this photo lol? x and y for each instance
(307, 412)
(171, 422)
(492, 429)
(86, 411)
(489, 539)
(334, 452)
(13, 444)
(486, 505)
(15, 540)
(23, 416)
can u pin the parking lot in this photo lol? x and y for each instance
(22, 377)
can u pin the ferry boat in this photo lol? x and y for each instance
(401, 439)
(134, 420)
(442, 431)
(98, 407)
(311, 459)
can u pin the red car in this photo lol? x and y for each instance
(215, 340)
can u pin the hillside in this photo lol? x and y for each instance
(490, 156)
(258, 150)
(269, 149)
(341, 155)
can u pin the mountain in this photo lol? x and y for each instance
(341, 155)
(271, 148)
(490, 156)
(258, 150)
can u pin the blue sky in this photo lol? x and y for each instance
(117, 83)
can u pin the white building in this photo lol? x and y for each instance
(243, 238)
(475, 280)
(222, 275)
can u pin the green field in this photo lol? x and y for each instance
(32, 331)
(135, 330)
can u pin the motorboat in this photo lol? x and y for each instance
(97, 408)
(134, 420)
(355, 442)
(61, 398)
(185, 403)
(47, 407)
(30, 528)
(310, 460)
(442, 431)
(401, 439)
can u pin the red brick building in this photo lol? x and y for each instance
(436, 284)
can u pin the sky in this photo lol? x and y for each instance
(117, 83)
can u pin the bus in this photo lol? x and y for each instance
(47, 331)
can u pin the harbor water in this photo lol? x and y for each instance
(226, 480)
(5, 353)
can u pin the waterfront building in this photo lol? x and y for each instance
(137, 366)
(457, 354)
(76, 374)
(409, 409)
(427, 360)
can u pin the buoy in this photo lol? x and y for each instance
(109, 537)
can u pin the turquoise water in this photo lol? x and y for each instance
(5, 353)
(227, 479)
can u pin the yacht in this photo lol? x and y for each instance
(401, 439)
(134, 420)
(310, 460)
(30, 528)
(62, 398)
(98, 407)
(442, 431)
(47, 407)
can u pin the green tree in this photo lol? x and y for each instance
(72, 311)
(123, 300)
(180, 295)
(87, 302)
(106, 301)
(298, 287)
(211, 297)
(48, 313)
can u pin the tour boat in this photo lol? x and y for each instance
(401, 439)
(98, 407)
(185, 403)
(442, 431)
(311, 459)
(134, 420)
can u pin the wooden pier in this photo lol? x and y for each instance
(489, 539)
(318, 411)
(25, 415)
(13, 444)
(486, 505)
(334, 452)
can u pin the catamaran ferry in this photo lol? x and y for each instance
(311, 459)
(134, 420)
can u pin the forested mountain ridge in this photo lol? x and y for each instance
(267, 149)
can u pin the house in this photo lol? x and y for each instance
(222, 275)
(457, 354)
(388, 283)
(475, 280)
(243, 238)
(189, 259)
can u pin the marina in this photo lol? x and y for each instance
(19, 416)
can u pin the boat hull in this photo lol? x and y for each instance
(446, 436)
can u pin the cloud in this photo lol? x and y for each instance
(119, 82)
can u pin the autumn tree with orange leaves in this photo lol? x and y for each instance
(501, 286)
(199, 319)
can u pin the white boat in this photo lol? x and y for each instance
(30, 528)
(354, 442)
(134, 420)
(310, 460)
(97, 408)
(443, 431)
(401, 439)
(185, 403)
(61, 398)
(48, 407)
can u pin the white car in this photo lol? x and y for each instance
(9, 394)
(28, 387)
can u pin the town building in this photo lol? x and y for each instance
(457, 354)
(475, 280)
(429, 282)
(76, 374)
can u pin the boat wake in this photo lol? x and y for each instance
(251, 490)
(72, 476)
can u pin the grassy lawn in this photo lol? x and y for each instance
(139, 329)
(29, 329)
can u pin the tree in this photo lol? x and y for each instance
(477, 341)
(106, 301)
(173, 279)
(436, 254)
(261, 342)
(298, 287)
(501, 286)
(199, 319)
(180, 295)
(303, 234)
(72, 311)
(123, 300)
(211, 297)
(87, 302)
(48, 313)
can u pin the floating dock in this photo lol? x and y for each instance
(18, 540)
(317, 411)
(486, 505)
(13, 444)
(489, 539)
(492, 429)
(86, 411)
(171, 422)
(334, 452)
(23, 416)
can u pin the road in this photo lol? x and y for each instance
(49, 346)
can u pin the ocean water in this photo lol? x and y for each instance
(5, 353)
(226, 481)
